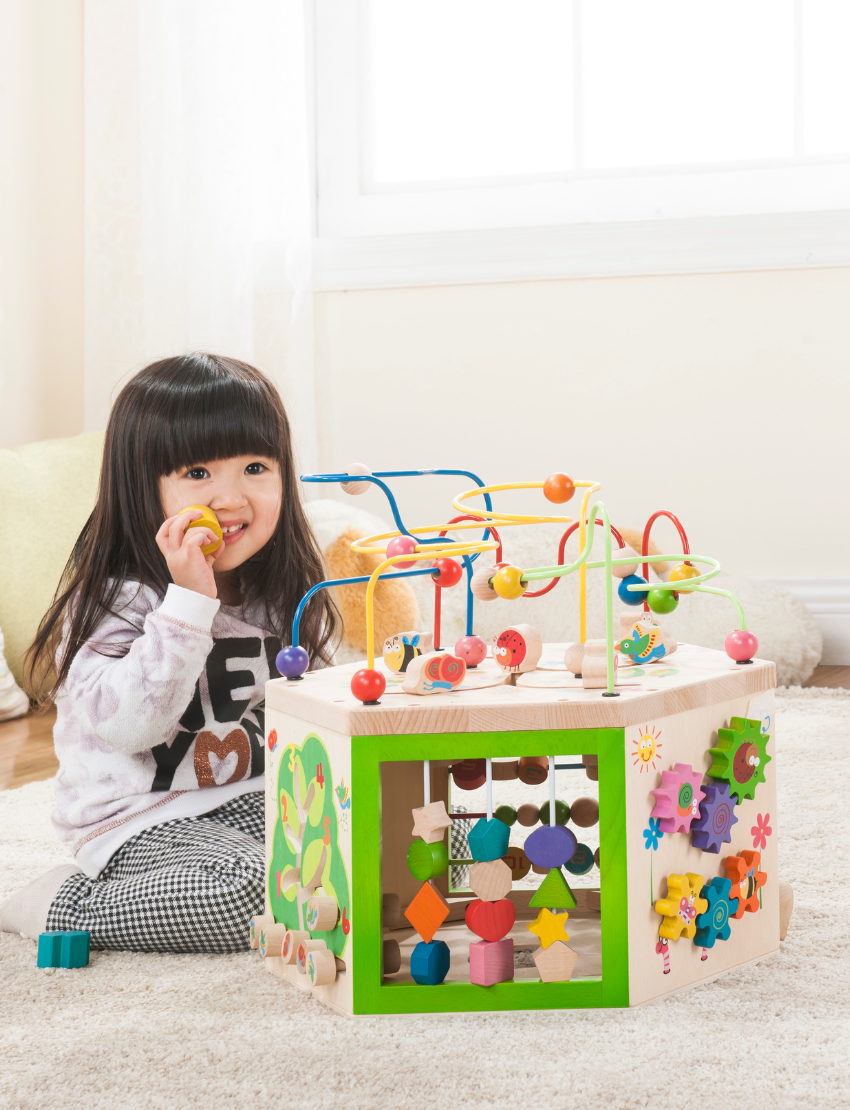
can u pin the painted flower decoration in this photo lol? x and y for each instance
(653, 834)
(760, 830)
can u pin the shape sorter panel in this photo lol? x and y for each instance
(657, 745)
(372, 757)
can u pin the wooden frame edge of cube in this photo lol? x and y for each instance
(370, 994)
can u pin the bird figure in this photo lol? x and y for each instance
(643, 647)
(343, 792)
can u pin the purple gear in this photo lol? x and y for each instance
(713, 827)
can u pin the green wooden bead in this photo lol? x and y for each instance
(427, 861)
(562, 813)
(662, 601)
(506, 814)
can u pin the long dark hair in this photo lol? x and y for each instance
(179, 411)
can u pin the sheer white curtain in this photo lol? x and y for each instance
(198, 204)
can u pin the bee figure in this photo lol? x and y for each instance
(402, 649)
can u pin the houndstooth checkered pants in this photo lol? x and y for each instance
(189, 885)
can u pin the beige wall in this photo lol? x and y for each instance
(41, 219)
(723, 397)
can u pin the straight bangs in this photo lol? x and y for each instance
(211, 416)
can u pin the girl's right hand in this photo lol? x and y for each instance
(187, 564)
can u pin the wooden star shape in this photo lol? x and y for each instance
(549, 927)
(431, 821)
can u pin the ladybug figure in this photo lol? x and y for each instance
(745, 762)
(517, 649)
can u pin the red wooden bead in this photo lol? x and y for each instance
(367, 686)
(447, 572)
(558, 488)
(469, 774)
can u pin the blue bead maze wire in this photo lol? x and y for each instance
(296, 620)
(376, 480)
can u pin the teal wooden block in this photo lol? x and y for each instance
(64, 949)
(429, 963)
(488, 840)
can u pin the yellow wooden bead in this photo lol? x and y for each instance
(681, 573)
(507, 582)
(208, 519)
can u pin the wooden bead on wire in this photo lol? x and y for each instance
(627, 568)
(356, 487)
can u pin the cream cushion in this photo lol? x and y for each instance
(47, 491)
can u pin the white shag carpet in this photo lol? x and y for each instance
(219, 1032)
(787, 632)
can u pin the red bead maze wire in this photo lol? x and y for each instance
(438, 607)
(644, 547)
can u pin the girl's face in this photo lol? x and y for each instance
(244, 493)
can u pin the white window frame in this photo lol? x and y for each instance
(670, 220)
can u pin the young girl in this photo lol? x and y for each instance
(162, 654)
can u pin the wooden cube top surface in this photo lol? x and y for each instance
(692, 677)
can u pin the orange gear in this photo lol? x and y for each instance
(746, 879)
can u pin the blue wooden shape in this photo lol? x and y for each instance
(714, 922)
(488, 840)
(429, 962)
(64, 949)
(550, 846)
(626, 595)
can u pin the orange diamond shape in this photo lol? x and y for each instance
(427, 912)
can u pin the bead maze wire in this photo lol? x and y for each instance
(432, 545)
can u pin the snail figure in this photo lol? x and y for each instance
(436, 673)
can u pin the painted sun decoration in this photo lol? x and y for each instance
(647, 747)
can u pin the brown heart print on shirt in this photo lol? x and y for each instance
(208, 743)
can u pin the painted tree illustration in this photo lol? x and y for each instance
(306, 858)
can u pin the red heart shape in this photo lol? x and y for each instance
(491, 920)
(272, 739)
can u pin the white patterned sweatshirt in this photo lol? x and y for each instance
(173, 727)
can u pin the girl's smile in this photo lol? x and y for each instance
(232, 531)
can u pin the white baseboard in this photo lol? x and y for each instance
(828, 600)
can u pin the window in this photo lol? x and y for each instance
(465, 115)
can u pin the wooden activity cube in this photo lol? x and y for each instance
(346, 776)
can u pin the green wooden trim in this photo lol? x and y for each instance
(373, 997)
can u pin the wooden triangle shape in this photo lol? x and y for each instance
(554, 893)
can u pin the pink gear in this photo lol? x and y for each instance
(677, 799)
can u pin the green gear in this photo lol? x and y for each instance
(733, 758)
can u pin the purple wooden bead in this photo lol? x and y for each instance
(550, 846)
(292, 662)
